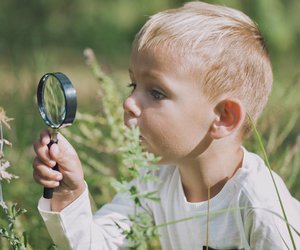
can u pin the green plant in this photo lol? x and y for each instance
(99, 137)
(140, 165)
(10, 228)
(10, 233)
(106, 135)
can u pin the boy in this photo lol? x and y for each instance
(196, 72)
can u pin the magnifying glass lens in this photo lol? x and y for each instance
(54, 101)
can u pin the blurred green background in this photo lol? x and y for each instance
(39, 36)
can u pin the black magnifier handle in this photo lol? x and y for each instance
(48, 192)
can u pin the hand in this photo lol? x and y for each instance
(69, 181)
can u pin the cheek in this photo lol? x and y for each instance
(170, 138)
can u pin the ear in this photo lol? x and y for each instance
(230, 115)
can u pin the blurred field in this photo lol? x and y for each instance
(39, 37)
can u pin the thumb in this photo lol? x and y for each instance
(64, 154)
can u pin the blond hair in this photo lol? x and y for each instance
(221, 45)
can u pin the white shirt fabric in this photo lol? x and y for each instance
(249, 222)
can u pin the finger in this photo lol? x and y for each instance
(45, 183)
(45, 137)
(64, 145)
(45, 172)
(64, 153)
(42, 153)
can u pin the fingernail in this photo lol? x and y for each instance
(59, 176)
(52, 163)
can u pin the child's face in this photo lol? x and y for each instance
(168, 106)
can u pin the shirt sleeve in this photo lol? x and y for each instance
(75, 227)
(268, 230)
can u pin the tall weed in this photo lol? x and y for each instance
(11, 235)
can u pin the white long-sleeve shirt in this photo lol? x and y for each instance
(252, 226)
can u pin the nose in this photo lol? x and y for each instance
(131, 107)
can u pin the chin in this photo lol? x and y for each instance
(164, 160)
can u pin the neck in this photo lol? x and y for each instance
(209, 171)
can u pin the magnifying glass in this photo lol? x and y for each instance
(57, 104)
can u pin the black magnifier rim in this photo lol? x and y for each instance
(70, 99)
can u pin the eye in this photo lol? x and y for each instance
(132, 86)
(157, 95)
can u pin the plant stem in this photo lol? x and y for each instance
(1, 196)
(1, 140)
(1, 155)
(207, 221)
(258, 137)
